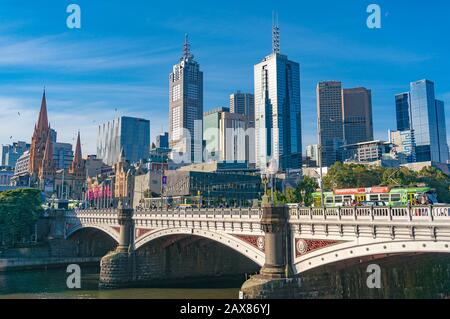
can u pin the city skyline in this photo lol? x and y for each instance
(94, 74)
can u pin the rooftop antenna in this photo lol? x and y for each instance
(187, 48)
(275, 33)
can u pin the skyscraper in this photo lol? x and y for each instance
(330, 121)
(127, 133)
(186, 107)
(442, 131)
(277, 111)
(357, 115)
(402, 110)
(243, 103)
(419, 111)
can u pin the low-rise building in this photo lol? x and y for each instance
(214, 187)
(6, 173)
(21, 175)
(365, 152)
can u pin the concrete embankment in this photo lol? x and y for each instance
(13, 264)
(54, 253)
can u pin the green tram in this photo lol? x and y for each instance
(376, 196)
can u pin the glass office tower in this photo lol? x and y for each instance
(131, 134)
(357, 115)
(330, 121)
(402, 111)
(442, 131)
(277, 112)
(428, 123)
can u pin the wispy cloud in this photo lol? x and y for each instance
(62, 53)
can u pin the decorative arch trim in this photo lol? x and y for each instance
(107, 230)
(234, 243)
(347, 251)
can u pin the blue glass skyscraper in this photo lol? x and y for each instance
(420, 112)
(402, 111)
(442, 131)
(127, 133)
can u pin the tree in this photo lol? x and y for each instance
(279, 198)
(355, 176)
(291, 195)
(398, 177)
(305, 189)
(436, 179)
(19, 210)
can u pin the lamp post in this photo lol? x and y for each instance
(319, 155)
(319, 150)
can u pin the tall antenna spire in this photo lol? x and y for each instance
(187, 48)
(275, 34)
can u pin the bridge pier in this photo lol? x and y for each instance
(275, 280)
(117, 267)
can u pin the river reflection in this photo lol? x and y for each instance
(51, 284)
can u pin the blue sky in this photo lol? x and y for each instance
(118, 62)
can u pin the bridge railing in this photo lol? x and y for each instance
(212, 213)
(382, 213)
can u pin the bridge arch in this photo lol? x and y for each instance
(111, 232)
(353, 250)
(234, 243)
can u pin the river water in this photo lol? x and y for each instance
(51, 284)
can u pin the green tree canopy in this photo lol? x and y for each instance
(305, 189)
(19, 210)
(353, 176)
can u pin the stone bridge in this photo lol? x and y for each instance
(285, 241)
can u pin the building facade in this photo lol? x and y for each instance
(225, 136)
(278, 145)
(62, 155)
(162, 140)
(128, 133)
(404, 145)
(21, 175)
(243, 103)
(186, 108)
(402, 111)
(419, 110)
(366, 152)
(11, 153)
(124, 175)
(442, 132)
(71, 183)
(330, 121)
(6, 173)
(357, 115)
(312, 155)
(214, 188)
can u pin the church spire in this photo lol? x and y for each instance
(78, 156)
(275, 34)
(42, 123)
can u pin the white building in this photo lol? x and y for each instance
(277, 111)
